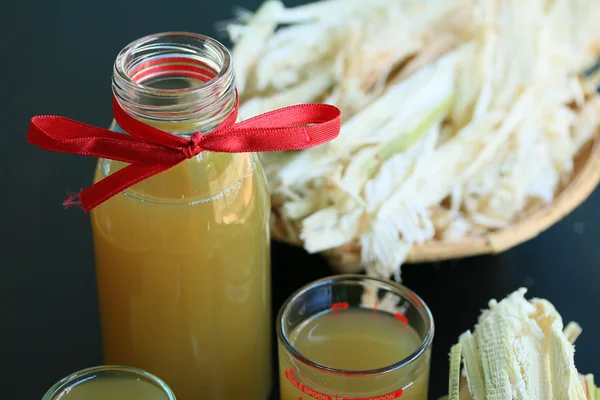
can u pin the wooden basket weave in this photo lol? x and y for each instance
(585, 178)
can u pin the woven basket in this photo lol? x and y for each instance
(585, 178)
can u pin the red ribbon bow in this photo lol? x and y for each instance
(150, 150)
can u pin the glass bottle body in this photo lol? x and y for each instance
(183, 271)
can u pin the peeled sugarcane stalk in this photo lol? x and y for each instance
(518, 350)
(464, 122)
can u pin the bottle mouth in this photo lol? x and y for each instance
(174, 77)
(196, 60)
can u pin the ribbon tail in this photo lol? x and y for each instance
(114, 184)
(74, 200)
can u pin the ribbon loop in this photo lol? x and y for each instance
(150, 151)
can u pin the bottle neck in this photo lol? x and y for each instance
(177, 82)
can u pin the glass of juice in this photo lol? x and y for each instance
(354, 337)
(110, 382)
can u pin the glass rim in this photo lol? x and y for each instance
(225, 69)
(400, 289)
(78, 376)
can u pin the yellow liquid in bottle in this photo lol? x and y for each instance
(183, 271)
(351, 340)
(113, 388)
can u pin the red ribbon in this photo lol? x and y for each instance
(151, 151)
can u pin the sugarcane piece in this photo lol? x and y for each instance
(256, 33)
(454, 383)
(572, 331)
(519, 349)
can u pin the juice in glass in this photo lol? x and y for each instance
(183, 257)
(110, 383)
(353, 337)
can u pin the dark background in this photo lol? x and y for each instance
(57, 59)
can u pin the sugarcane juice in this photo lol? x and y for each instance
(113, 388)
(350, 340)
(183, 271)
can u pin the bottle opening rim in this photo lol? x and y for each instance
(172, 54)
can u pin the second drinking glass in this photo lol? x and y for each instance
(355, 338)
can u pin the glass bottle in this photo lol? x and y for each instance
(183, 257)
(110, 382)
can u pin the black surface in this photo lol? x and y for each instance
(57, 59)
